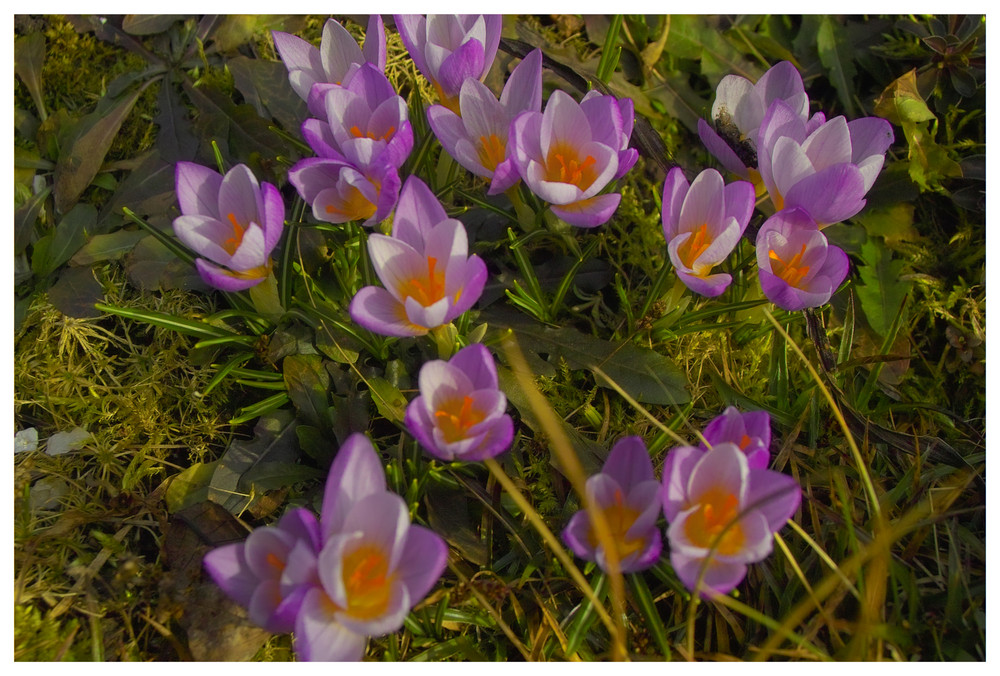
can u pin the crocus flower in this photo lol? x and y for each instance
(568, 154)
(337, 56)
(628, 494)
(722, 514)
(429, 277)
(269, 573)
(826, 170)
(739, 108)
(231, 222)
(478, 139)
(374, 565)
(339, 192)
(450, 48)
(702, 224)
(750, 431)
(364, 121)
(461, 412)
(798, 269)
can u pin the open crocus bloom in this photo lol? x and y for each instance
(722, 514)
(739, 109)
(750, 431)
(702, 224)
(461, 412)
(269, 573)
(231, 222)
(628, 494)
(338, 192)
(798, 269)
(450, 48)
(568, 154)
(364, 121)
(337, 56)
(478, 139)
(429, 277)
(825, 170)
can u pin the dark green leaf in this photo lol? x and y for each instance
(25, 218)
(881, 291)
(448, 515)
(148, 190)
(149, 24)
(190, 486)
(837, 58)
(29, 53)
(307, 383)
(152, 266)
(389, 401)
(107, 247)
(264, 85)
(269, 476)
(175, 141)
(59, 246)
(76, 292)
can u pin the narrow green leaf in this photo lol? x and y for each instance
(837, 58)
(29, 53)
(56, 248)
(180, 324)
(648, 608)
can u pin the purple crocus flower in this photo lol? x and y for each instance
(797, 267)
(478, 138)
(739, 109)
(568, 154)
(374, 565)
(339, 192)
(702, 224)
(461, 412)
(628, 494)
(232, 222)
(338, 55)
(825, 170)
(450, 48)
(750, 431)
(364, 122)
(722, 514)
(429, 277)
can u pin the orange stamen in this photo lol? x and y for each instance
(695, 246)
(367, 582)
(233, 243)
(564, 166)
(427, 290)
(491, 151)
(455, 426)
(718, 513)
(792, 271)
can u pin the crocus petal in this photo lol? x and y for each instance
(478, 365)
(629, 463)
(380, 312)
(222, 279)
(305, 67)
(724, 467)
(238, 195)
(413, 32)
(505, 176)
(203, 235)
(563, 123)
(417, 212)
(702, 203)
(720, 577)
(733, 96)
(721, 150)
(774, 495)
(830, 144)
(320, 638)
(374, 49)
(355, 474)
(523, 90)
(576, 535)
(197, 189)
(252, 251)
(677, 467)
(273, 216)
(675, 189)
(426, 556)
(709, 286)
(465, 62)
(338, 50)
(588, 213)
(228, 568)
(831, 195)
(383, 518)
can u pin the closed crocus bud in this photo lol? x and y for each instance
(825, 170)
(627, 493)
(451, 48)
(738, 110)
(797, 267)
(703, 223)
(722, 514)
(750, 431)
(337, 56)
(461, 412)
(570, 152)
(429, 277)
(231, 222)
(478, 139)
(339, 192)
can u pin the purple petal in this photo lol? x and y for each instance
(426, 556)
(197, 189)
(576, 535)
(704, 202)
(465, 62)
(677, 467)
(718, 576)
(675, 189)
(505, 176)
(355, 474)
(588, 213)
(831, 195)
(774, 495)
(722, 468)
(305, 67)
(338, 51)
(523, 90)
(629, 463)
(374, 49)
(380, 312)
(709, 286)
(228, 568)
(721, 150)
(320, 638)
(273, 216)
(417, 212)
(477, 363)
(224, 280)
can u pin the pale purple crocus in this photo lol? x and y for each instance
(703, 223)
(478, 139)
(461, 412)
(750, 431)
(627, 493)
(429, 277)
(797, 267)
(374, 565)
(338, 55)
(825, 170)
(739, 108)
(364, 121)
(568, 154)
(339, 192)
(450, 48)
(722, 514)
(231, 222)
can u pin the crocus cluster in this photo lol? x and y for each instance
(231, 222)
(815, 171)
(428, 276)
(360, 131)
(354, 573)
(721, 502)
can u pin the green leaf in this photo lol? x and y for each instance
(59, 246)
(190, 486)
(29, 53)
(76, 293)
(837, 58)
(107, 247)
(307, 382)
(264, 85)
(269, 476)
(149, 24)
(882, 291)
(25, 218)
(175, 140)
(448, 515)
(147, 190)
(389, 401)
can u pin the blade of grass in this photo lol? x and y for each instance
(648, 607)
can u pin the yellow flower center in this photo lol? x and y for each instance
(717, 510)
(427, 289)
(355, 206)
(791, 271)
(233, 243)
(491, 151)
(695, 246)
(367, 582)
(563, 165)
(455, 417)
(357, 133)
(619, 518)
